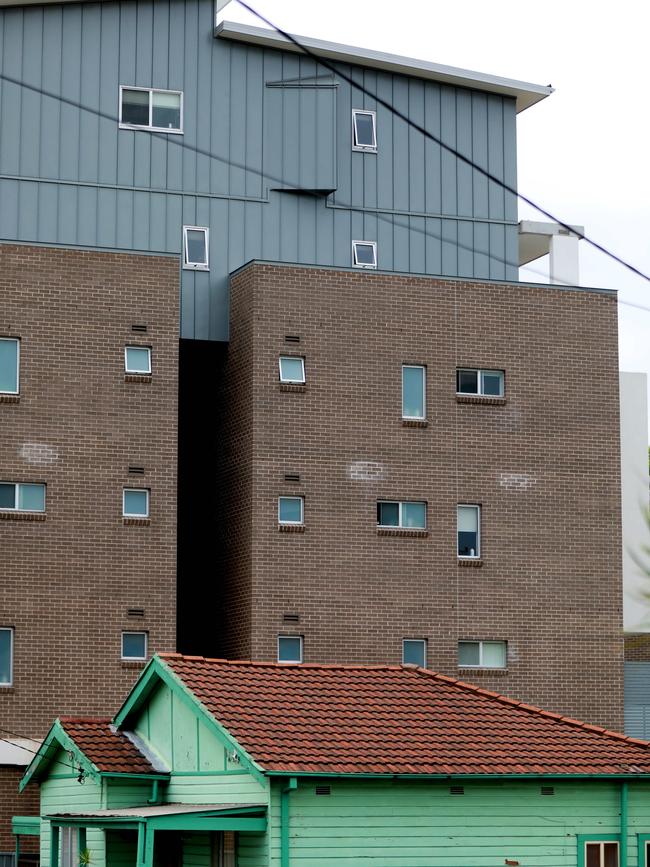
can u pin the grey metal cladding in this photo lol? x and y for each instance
(256, 121)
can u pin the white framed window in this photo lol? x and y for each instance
(364, 130)
(405, 514)
(291, 510)
(134, 645)
(135, 503)
(487, 383)
(9, 365)
(364, 254)
(414, 382)
(290, 648)
(414, 651)
(151, 109)
(469, 531)
(292, 369)
(137, 359)
(601, 854)
(6, 656)
(196, 248)
(20, 497)
(482, 654)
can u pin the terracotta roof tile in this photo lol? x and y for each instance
(109, 750)
(394, 720)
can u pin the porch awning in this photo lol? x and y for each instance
(170, 817)
(27, 826)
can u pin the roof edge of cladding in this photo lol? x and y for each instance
(525, 93)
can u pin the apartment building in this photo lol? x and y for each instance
(385, 448)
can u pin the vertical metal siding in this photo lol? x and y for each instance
(68, 176)
(637, 699)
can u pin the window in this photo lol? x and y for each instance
(137, 359)
(290, 510)
(224, 849)
(414, 651)
(292, 369)
(134, 645)
(404, 515)
(69, 847)
(601, 854)
(195, 248)
(6, 656)
(135, 503)
(488, 383)
(364, 131)
(157, 110)
(364, 254)
(22, 498)
(482, 654)
(9, 365)
(413, 391)
(469, 536)
(289, 648)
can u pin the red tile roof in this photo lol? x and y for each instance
(394, 720)
(109, 750)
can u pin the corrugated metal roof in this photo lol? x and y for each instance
(157, 810)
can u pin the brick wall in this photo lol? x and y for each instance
(637, 647)
(69, 580)
(543, 465)
(13, 803)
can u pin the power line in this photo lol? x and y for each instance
(452, 150)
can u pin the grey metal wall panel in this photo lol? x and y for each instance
(70, 176)
(637, 699)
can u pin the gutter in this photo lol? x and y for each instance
(284, 820)
(486, 777)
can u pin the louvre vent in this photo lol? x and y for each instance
(136, 471)
(141, 328)
(456, 790)
(291, 477)
(548, 790)
(135, 612)
(291, 618)
(292, 338)
(322, 790)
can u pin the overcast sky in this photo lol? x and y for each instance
(583, 151)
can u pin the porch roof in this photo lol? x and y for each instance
(148, 812)
(169, 817)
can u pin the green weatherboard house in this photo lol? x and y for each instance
(212, 763)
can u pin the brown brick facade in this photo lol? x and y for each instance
(543, 464)
(70, 579)
(13, 803)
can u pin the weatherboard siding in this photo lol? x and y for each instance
(255, 120)
(419, 823)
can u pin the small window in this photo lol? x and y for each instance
(290, 510)
(405, 515)
(137, 359)
(364, 131)
(482, 654)
(289, 648)
(9, 365)
(196, 248)
(69, 847)
(414, 651)
(22, 497)
(292, 369)
(413, 391)
(157, 110)
(488, 383)
(364, 254)
(134, 645)
(6, 656)
(601, 854)
(135, 503)
(224, 849)
(469, 536)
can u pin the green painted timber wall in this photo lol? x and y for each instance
(420, 824)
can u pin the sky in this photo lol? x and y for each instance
(582, 152)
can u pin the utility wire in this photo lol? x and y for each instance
(452, 150)
(71, 767)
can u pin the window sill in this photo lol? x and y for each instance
(133, 663)
(483, 672)
(480, 398)
(415, 422)
(291, 528)
(402, 531)
(293, 386)
(9, 398)
(470, 562)
(137, 377)
(22, 516)
(136, 522)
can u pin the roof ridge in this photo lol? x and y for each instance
(76, 720)
(284, 666)
(531, 708)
